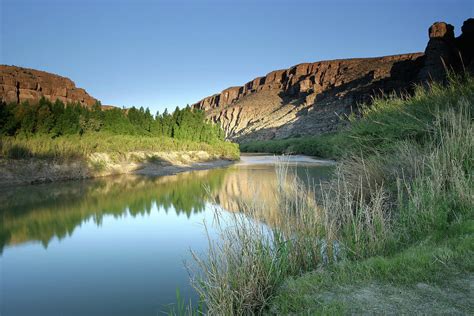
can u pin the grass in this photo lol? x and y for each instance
(433, 261)
(398, 210)
(75, 146)
(184, 308)
(324, 146)
(385, 122)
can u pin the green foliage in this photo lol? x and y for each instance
(57, 209)
(57, 119)
(56, 130)
(386, 122)
(399, 210)
(324, 146)
(433, 262)
(419, 152)
(183, 308)
(77, 146)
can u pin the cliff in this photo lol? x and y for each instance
(311, 98)
(19, 84)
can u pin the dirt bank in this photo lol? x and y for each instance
(32, 171)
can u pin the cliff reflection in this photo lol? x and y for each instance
(42, 212)
(258, 184)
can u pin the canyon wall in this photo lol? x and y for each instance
(306, 99)
(19, 84)
(314, 98)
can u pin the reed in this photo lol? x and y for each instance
(414, 182)
(75, 146)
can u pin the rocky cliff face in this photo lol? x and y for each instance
(311, 98)
(21, 84)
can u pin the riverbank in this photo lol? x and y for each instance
(272, 159)
(327, 146)
(36, 170)
(398, 215)
(49, 141)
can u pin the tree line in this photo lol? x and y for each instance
(57, 119)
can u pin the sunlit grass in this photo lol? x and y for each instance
(385, 122)
(75, 146)
(401, 197)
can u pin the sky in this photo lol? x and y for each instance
(159, 54)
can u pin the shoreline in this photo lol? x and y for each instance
(269, 158)
(22, 172)
(157, 171)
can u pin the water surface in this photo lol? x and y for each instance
(117, 245)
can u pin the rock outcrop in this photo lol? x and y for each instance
(465, 44)
(311, 98)
(19, 84)
(308, 98)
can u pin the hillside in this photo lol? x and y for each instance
(391, 231)
(19, 84)
(313, 98)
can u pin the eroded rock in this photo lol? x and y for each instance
(311, 98)
(19, 84)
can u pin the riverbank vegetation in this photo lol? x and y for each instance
(385, 122)
(324, 146)
(398, 216)
(59, 131)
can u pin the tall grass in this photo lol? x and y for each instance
(408, 175)
(385, 122)
(75, 146)
(324, 146)
(249, 259)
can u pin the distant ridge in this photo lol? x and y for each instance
(19, 84)
(310, 98)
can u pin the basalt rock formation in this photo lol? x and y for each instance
(19, 84)
(312, 98)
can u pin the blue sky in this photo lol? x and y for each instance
(170, 53)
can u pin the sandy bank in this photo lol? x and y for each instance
(272, 159)
(32, 171)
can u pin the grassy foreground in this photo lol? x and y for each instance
(398, 217)
(387, 121)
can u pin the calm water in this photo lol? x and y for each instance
(117, 246)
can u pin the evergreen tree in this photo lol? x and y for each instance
(56, 119)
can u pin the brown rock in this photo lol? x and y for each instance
(445, 53)
(58, 91)
(465, 44)
(29, 95)
(229, 95)
(22, 84)
(305, 99)
(310, 98)
(9, 93)
(441, 30)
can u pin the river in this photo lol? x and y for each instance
(118, 245)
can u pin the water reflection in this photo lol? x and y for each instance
(41, 212)
(117, 245)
